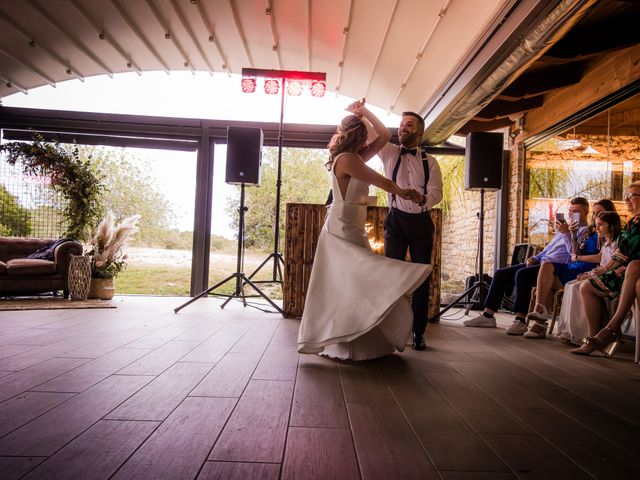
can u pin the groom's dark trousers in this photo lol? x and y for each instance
(412, 231)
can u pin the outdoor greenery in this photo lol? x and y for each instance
(304, 179)
(130, 190)
(16, 220)
(70, 175)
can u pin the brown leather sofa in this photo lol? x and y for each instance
(20, 275)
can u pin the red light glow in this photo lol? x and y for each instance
(294, 87)
(271, 86)
(248, 84)
(318, 89)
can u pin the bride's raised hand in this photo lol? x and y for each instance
(357, 107)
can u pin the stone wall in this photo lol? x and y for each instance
(460, 236)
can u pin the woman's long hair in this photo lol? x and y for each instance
(613, 220)
(607, 204)
(351, 135)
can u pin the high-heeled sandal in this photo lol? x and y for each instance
(607, 345)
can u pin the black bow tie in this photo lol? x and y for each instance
(412, 151)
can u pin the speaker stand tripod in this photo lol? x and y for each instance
(478, 291)
(240, 278)
(276, 256)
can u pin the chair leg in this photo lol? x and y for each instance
(557, 304)
(532, 302)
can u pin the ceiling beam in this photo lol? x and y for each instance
(104, 35)
(345, 41)
(243, 38)
(503, 108)
(598, 82)
(414, 64)
(136, 30)
(479, 126)
(385, 34)
(275, 46)
(168, 35)
(189, 30)
(27, 65)
(618, 31)
(309, 34)
(11, 84)
(31, 41)
(543, 80)
(71, 38)
(212, 37)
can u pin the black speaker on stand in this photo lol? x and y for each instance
(244, 159)
(482, 171)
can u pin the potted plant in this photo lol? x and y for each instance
(107, 256)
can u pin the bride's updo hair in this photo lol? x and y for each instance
(350, 137)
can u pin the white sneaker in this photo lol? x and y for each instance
(518, 327)
(480, 321)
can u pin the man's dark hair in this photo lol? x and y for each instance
(580, 201)
(418, 117)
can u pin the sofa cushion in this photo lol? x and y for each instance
(30, 267)
(3, 268)
(17, 247)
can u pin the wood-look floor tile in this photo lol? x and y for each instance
(30, 377)
(239, 471)
(23, 408)
(386, 446)
(159, 359)
(530, 456)
(449, 475)
(93, 371)
(256, 431)
(40, 354)
(159, 397)
(179, 447)
(47, 433)
(364, 383)
(318, 454)
(318, 400)
(279, 362)
(213, 349)
(455, 446)
(11, 350)
(229, 377)
(97, 453)
(592, 452)
(287, 332)
(478, 410)
(13, 468)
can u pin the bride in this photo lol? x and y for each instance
(356, 304)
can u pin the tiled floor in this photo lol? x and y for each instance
(139, 392)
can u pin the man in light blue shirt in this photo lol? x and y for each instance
(523, 276)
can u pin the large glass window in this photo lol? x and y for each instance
(596, 159)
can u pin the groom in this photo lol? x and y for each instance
(408, 224)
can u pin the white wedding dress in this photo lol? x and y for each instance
(356, 305)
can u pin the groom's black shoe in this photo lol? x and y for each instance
(418, 342)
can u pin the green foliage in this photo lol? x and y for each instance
(452, 167)
(73, 177)
(131, 190)
(304, 180)
(15, 220)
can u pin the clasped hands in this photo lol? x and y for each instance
(411, 194)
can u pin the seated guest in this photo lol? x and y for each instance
(572, 321)
(523, 276)
(552, 276)
(610, 281)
